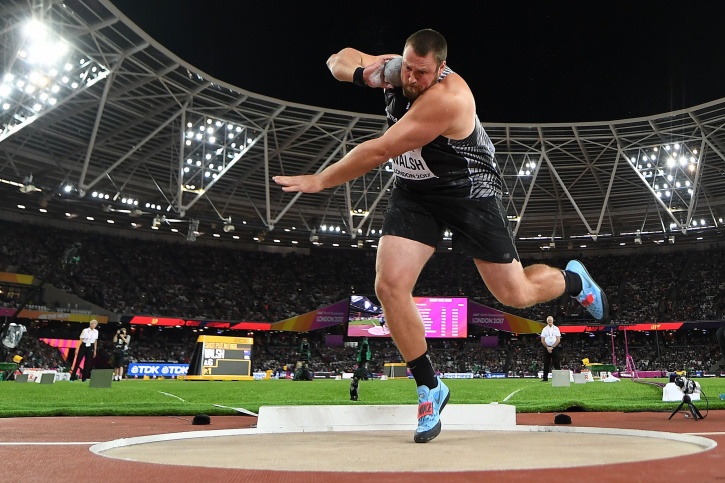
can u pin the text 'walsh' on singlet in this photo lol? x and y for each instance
(464, 168)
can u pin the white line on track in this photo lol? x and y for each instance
(240, 410)
(168, 394)
(43, 443)
(511, 395)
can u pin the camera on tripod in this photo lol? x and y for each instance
(688, 386)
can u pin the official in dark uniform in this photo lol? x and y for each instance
(364, 355)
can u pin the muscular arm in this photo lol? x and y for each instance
(343, 64)
(433, 114)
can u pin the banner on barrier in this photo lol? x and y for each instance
(457, 375)
(157, 369)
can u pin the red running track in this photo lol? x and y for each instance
(58, 457)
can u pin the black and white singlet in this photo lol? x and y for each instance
(464, 168)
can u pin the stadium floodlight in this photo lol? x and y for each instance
(46, 71)
(669, 171)
(211, 145)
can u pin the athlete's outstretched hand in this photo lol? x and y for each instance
(306, 183)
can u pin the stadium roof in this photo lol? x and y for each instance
(94, 112)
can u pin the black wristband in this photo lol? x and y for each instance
(357, 77)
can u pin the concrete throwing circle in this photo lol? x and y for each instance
(454, 450)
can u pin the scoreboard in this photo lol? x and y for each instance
(219, 358)
(443, 317)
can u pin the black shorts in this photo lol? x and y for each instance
(479, 227)
(119, 359)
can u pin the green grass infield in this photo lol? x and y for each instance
(177, 397)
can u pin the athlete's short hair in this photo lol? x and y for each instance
(425, 41)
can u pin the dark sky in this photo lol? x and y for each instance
(542, 61)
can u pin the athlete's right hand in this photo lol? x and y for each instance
(374, 74)
(306, 183)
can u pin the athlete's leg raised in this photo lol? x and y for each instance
(520, 287)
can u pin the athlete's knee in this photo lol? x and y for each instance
(388, 287)
(383, 290)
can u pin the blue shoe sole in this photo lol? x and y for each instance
(605, 302)
(429, 435)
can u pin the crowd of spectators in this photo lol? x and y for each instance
(142, 277)
(515, 355)
(691, 350)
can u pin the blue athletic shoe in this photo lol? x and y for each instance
(591, 297)
(430, 404)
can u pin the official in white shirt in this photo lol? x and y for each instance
(550, 339)
(87, 349)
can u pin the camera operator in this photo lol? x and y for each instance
(121, 341)
(302, 372)
(305, 351)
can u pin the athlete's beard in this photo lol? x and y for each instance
(413, 92)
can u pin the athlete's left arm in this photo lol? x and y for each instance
(433, 114)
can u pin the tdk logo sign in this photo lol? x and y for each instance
(156, 370)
